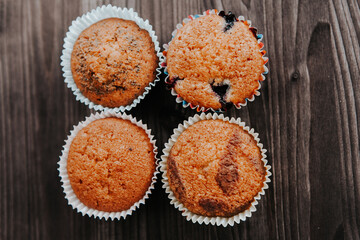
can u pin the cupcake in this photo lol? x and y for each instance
(214, 61)
(108, 166)
(214, 170)
(111, 58)
(113, 61)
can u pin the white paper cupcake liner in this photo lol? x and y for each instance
(85, 21)
(69, 193)
(224, 221)
(198, 108)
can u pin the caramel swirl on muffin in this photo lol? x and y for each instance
(215, 168)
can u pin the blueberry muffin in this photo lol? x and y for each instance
(113, 61)
(111, 164)
(215, 168)
(215, 61)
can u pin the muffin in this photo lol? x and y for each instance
(215, 61)
(111, 164)
(215, 168)
(113, 61)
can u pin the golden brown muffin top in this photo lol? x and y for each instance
(215, 168)
(111, 164)
(113, 61)
(213, 62)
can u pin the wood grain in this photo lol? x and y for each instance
(307, 116)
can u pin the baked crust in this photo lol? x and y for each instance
(212, 63)
(110, 164)
(113, 61)
(215, 168)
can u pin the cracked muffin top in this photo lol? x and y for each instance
(111, 164)
(215, 168)
(214, 61)
(113, 61)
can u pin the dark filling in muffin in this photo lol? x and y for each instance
(254, 31)
(229, 20)
(220, 89)
(172, 81)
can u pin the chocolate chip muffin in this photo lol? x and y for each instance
(215, 61)
(113, 61)
(215, 168)
(111, 164)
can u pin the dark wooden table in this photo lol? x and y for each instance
(308, 117)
